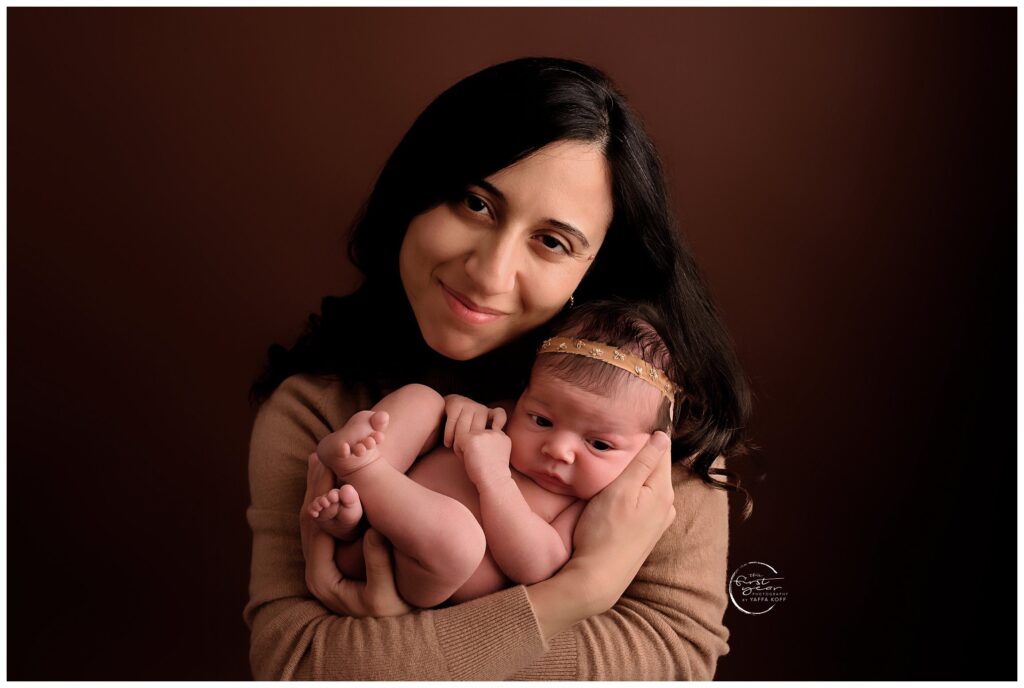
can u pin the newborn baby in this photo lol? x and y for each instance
(498, 502)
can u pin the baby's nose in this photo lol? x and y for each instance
(559, 450)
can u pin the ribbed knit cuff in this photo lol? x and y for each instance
(559, 663)
(489, 638)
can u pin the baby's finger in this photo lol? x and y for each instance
(498, 418)
(464, 425)
(449, 429)
(479, 420)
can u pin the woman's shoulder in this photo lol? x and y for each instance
(693, 495)
(306, 396)
(302, 410)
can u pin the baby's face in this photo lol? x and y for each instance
(575, 442)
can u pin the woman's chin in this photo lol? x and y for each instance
(460, 347)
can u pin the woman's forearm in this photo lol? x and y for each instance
(564, 600)
(667, 625)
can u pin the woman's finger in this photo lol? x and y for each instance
(659, 487)
(644, 464)
(320, 556)
(317, 476)
(660, 479)
(381, 596)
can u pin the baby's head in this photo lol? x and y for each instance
(583, 418)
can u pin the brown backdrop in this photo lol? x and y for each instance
(180, 182)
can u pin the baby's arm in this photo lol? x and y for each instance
(527, 548)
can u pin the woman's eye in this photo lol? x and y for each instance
(541, 421)
(600, 445)
(475, 204)
(552, 243)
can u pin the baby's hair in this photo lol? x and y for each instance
(631, 327)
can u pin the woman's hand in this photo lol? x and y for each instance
(622, 523)
(376, 596)
(613, 537)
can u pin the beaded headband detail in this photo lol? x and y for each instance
(606, 353)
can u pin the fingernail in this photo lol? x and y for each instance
(660, 441)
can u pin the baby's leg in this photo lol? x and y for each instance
(414, 409)
(413, 413)
(438, 543)
(338, 512)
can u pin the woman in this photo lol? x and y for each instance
(522, 189)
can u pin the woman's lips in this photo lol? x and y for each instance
(467, 310)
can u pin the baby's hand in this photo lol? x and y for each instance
(465, 415)
(485, 454)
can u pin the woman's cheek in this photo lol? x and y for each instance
(547, 290)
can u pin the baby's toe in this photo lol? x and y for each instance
(379, 420)
(348, 495)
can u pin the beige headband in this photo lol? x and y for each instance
(612, 356)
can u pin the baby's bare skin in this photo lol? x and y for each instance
(438, 543)
(482, 510)
(442, 471)
(431, 514)
(338, 512)
(426, 512)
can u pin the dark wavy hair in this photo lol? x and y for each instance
(484, 123)
(628, 326)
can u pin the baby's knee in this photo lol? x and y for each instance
(459, 547)
(421, 397)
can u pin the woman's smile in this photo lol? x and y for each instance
(468, 310)
(505, 257)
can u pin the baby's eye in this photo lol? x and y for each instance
(554, 244)
(600, 445)
(540, 420)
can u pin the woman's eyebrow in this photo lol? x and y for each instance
(564, 226)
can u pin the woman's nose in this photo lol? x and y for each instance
(492, 264)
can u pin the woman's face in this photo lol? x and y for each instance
(507, 256)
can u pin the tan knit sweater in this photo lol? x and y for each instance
(667, 625)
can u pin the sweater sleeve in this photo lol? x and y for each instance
(293, 636)
(668, 623)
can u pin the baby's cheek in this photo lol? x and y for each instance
(615, 470)
(515, 458)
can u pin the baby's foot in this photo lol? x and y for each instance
(355, 445)
(338, 512)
